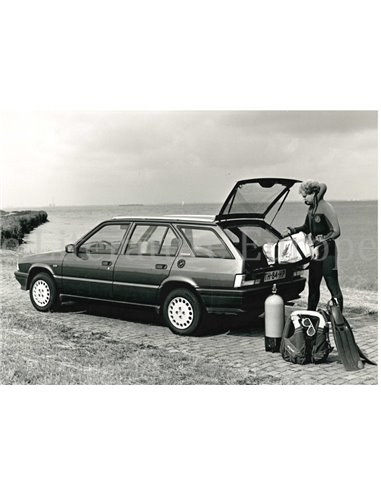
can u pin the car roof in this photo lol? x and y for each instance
(202, 219)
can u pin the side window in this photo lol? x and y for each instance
(205, 243)
(170, 244)
(105, 241)
(146, 240)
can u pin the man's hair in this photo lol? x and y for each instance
(309, 187)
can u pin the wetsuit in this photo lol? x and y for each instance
(322, 223)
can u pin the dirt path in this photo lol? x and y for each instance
(229, 341)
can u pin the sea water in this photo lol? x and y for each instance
(357, 244)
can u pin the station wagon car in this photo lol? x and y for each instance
(183, 266)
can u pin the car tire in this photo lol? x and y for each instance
(183, 312)
(43, 292)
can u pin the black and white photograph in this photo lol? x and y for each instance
(190, 247)
(189, 262)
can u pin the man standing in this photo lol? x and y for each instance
(322, 222)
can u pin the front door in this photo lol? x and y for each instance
(146, 262)
(89, 271)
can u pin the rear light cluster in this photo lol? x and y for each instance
(298, 273)
(240, 281)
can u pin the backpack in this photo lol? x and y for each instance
(305, 337)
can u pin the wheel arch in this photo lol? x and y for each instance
(173, 284)
(35, 269)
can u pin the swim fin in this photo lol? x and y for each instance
(365, 357)
(346, 346)
(362, 354)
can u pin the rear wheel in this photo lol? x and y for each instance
(183, 312)
(43, 292)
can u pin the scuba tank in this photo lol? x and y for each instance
(274, 321)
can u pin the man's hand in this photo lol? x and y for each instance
(287, 232)
(315, 253)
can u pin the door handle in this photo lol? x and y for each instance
(106, 263)
(161, 266)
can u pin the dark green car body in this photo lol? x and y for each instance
(140, 260)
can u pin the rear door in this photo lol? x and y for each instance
(145, 263)
(212, 264)
(255, 197)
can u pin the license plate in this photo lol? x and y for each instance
(275, 275)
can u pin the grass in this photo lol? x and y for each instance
(356, 301)
(39, 353)
(15, 225)
(40, 350)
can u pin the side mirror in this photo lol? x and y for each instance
(70, 248)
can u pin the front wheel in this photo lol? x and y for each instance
(43, 292)
(183, 312)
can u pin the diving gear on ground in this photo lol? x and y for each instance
(305, 338)
(350, 354)
(274, 321)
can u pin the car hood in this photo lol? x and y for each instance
(255, 197)
(49, 258)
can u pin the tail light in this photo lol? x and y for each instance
(240, 281)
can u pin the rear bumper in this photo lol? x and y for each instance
(242, 300)
(22, 278)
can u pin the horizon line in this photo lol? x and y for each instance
(160, 204)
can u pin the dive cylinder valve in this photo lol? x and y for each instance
(274, 321)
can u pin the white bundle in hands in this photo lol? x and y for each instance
(295, 248)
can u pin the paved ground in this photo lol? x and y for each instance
(230, 340)
(240, 346)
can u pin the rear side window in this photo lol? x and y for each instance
(205, 243)
(153, 240)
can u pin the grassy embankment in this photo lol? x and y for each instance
(45, 353)
(56, 349)
(14, 225)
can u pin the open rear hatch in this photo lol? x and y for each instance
(254, 198)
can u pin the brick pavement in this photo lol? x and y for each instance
(237, 344)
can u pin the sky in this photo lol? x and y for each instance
(111, 157)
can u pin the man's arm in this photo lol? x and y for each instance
(333, 224)
(303, 228)
(321, 192)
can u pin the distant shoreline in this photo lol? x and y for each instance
(16, 224)
(217, 204)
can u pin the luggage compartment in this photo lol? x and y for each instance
(249, 238)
